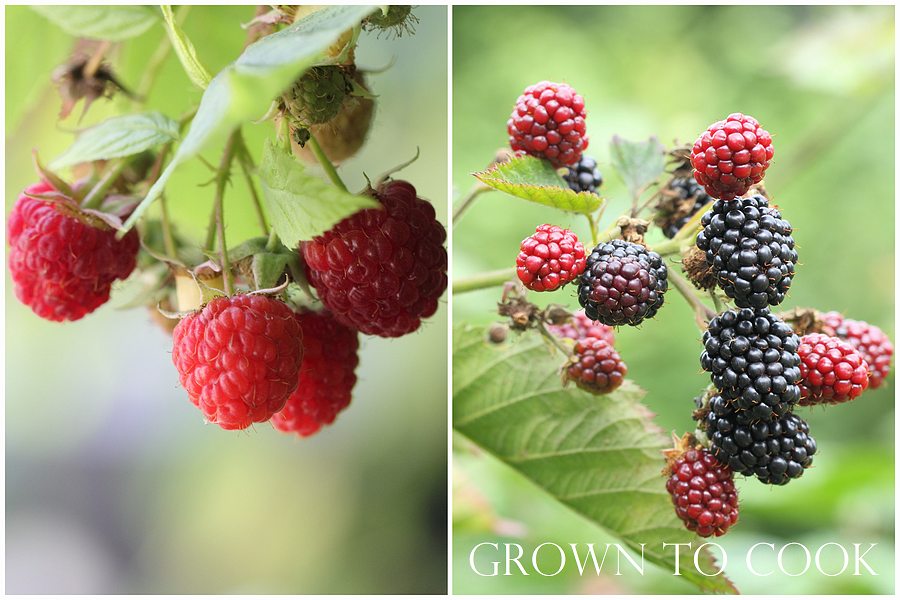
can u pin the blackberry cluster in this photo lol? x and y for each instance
(774, 452)
(584, 176)
(623, 283)
(685, 189)
(750, 250)
(752, 356)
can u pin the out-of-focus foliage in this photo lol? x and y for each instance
(821, 79)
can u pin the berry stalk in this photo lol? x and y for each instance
(483, 280)
(326, 164)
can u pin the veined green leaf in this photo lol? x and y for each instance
(117, 137)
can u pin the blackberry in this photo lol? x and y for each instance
(595, 366)
(752, 356)
(773, 452)
(584, 176)
(872, 344)
(684, 189)
(750, 249)
(623, 283)
(831, 370)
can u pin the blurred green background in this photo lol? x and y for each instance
(113, 482)
(821, 79)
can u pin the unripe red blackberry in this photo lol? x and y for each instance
(774, 452)
(382, 270)
(872, 344)
(63, 260)
(731, 155)
(549, 259)
(750, 250)
(584, 176)
(752, 357)
(623, 283)
(702, 490)
(548, 122)
(580, 326)
(831, 371)
(595, 366)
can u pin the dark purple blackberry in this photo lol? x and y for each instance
(685, 188)
(773, 452)
(750, 250)
(584, 176)
(752, 356)
(623, 283)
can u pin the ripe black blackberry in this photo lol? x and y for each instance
(773, 452)
(584, 176)
(623, 283)
(679, 209)
(750, 250)
(752, 356)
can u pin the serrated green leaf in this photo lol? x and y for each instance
(300, 204)
(244, 90)
(118, 137)
(113, 23)
(598, 455)
(185, 50)
(536, 180)
(638, 163)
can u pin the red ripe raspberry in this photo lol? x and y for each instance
(595, 366)
(580, 326)
(326, 375)
(63, 260)
(703, 492)
(731, 156)
(238, 358)
(872, 344)
(549, 259)
(548, 122)
(831, 371)
(381, 271)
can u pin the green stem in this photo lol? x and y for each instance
(466, 203)
(483, 280)
(554, 339)
(168, 239)
(668, 247)
(151, 71)
(247, 166)
(98, 192)
(326, 164)
(716, 302)
(217, 226)
(608, 234)
(272, 243)
(687, 290)
(593, 224)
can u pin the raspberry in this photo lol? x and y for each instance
(623, 283)
(316, 97)
(688, 198)
(774, 452)
(381, 270)
(548, 122)
(752, 356)
(595, 366)
(580, 326)
(872, 344)
(750, 250)
(831, 371)
(731, 155)
(326, 376)
(63, 260)
(549, 259)
(238, 358)
(584, 176)
(702, 491)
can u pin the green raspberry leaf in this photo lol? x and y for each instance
(601, 456)
(244, 90)
(185, 50)
(536, 180)
(118, 137)
(300, 204)
(638, 163)
(113, 23)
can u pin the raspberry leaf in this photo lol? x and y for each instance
(302, 205)
(244, 90)
(117, 137)
(536, 180)
(113, 23)
(599, 455)
(638, 163)
(185, 50)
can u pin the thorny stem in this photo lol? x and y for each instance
(553, 339)
(247, 166)
(483, 280)
(687, 290)
(716, 302)
(326, 164)
(98, 192)
(218, 222)
(466, 203)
